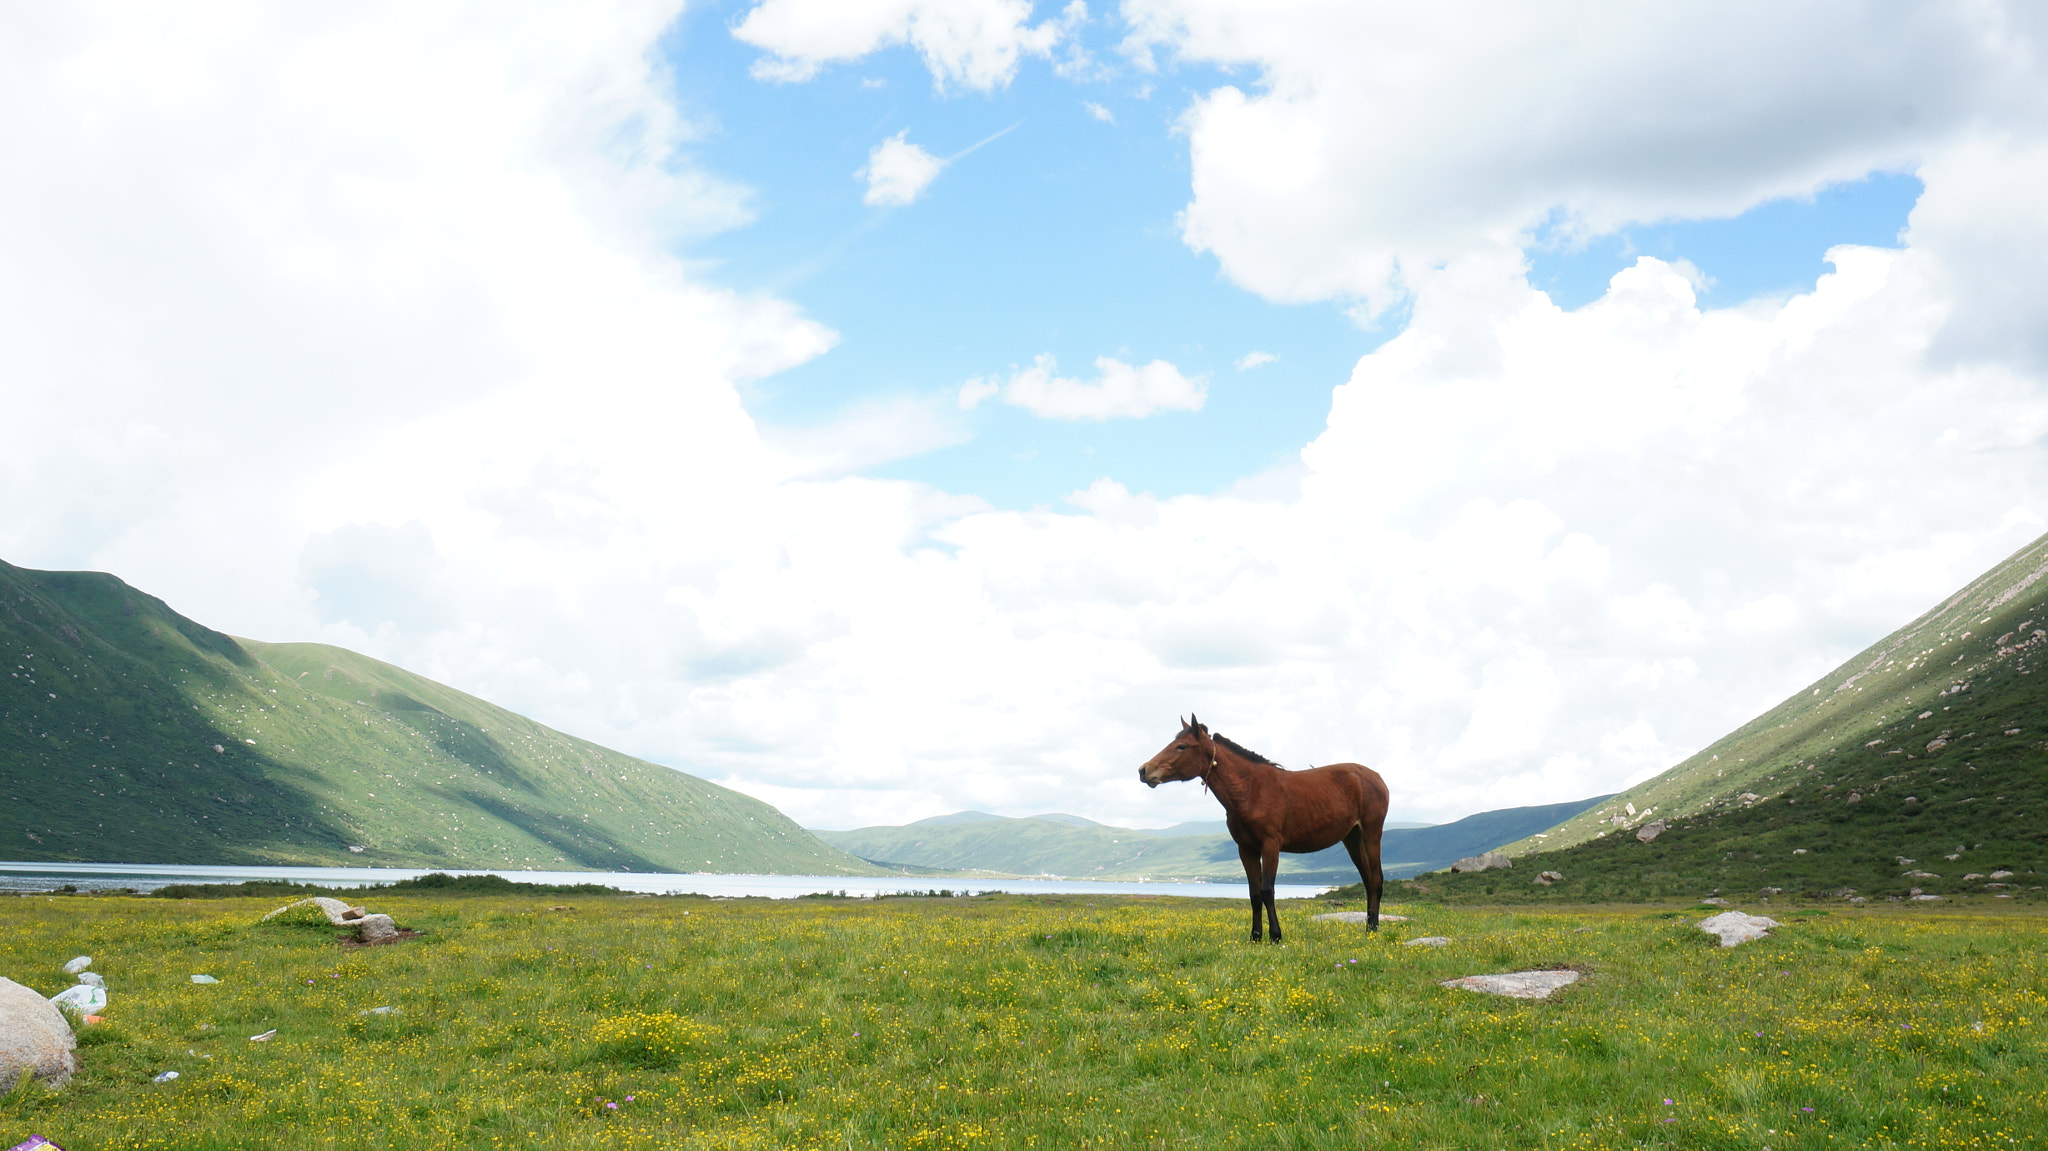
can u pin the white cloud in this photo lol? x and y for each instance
(1533, 554)
(868, 433)
(1099, 112)
(1250, 360)
(898, 172)
(965, 43)
(976, 390)
(1380, 139)
(1124, 391)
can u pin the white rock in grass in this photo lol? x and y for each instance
(33, 1037)
(1516, 984)
(77, 965)
(1428, 941)
(1354, 917)
(1733, 927)
(338, 913)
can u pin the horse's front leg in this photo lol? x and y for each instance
(1249, 856)
(1269, 864)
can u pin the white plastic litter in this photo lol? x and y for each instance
(204, 979)
(77, 965)
(166, 1077)
(83, 998)
(379, 1011)
(91, 979)
(263, 1038)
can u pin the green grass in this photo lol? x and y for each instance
(1032, 1022)
(130, 734)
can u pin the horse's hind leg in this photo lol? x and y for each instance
(1269, 864)
(1250, 858)
(1365, 856)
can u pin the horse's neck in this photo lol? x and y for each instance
(1234, 780)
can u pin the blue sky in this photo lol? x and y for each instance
(1060, 236)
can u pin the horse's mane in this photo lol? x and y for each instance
(1240, 749)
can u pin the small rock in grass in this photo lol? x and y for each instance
(204, 979)
(1355, 917)
(1733, 927)
(77, 965)
(1546, 878)
(1427, 941)
(1516, 984)
(1650, 831)
(1926, 898)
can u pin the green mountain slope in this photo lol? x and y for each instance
(1923, 666)
(131, 734)
(1928, 747)
(1076, 848)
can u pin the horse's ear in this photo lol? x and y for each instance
(1196, 724)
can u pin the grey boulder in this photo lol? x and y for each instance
(1484, 861)
(338, 913)
(33, 1037)
(1733, 927)
(376, 928)
(1516, 984)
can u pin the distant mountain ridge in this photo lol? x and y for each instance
(131, 734)
(1071, 847)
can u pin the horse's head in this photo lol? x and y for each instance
(1187, 757)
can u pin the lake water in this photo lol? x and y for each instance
(18, 877)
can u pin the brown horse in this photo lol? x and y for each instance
(1270, 810)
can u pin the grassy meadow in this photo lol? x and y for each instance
(1031, 1021)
